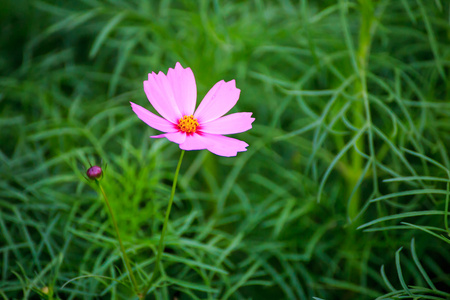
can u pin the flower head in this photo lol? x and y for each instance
(94, 172)
(174, 97)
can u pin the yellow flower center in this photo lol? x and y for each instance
(188, 124)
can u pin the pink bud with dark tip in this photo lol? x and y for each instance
(94, 172)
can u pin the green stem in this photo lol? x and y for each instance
(161, 239)
(122, 248)
(362, 114)
(447, 200)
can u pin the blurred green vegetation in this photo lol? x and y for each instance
(347, 165)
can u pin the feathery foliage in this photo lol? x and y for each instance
(347, 164)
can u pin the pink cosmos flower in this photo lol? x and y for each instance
(174, 97)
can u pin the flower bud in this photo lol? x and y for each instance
(94, 172)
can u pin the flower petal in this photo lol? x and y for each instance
(184, 88)
(218, 101)
(224, 146)
(217, 144)
(153, 120)
(195, 142)
(234, 123)
(160, 94)
(176, 137)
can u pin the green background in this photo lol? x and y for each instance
(342, 194)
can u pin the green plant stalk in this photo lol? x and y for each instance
(163, 232)
(357, 161)
(122, 248)
(447, 199)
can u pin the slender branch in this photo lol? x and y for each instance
(447, 200)
(161, 239)
(122, 248)
(362, 108)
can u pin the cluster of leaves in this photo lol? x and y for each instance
(347, 164)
